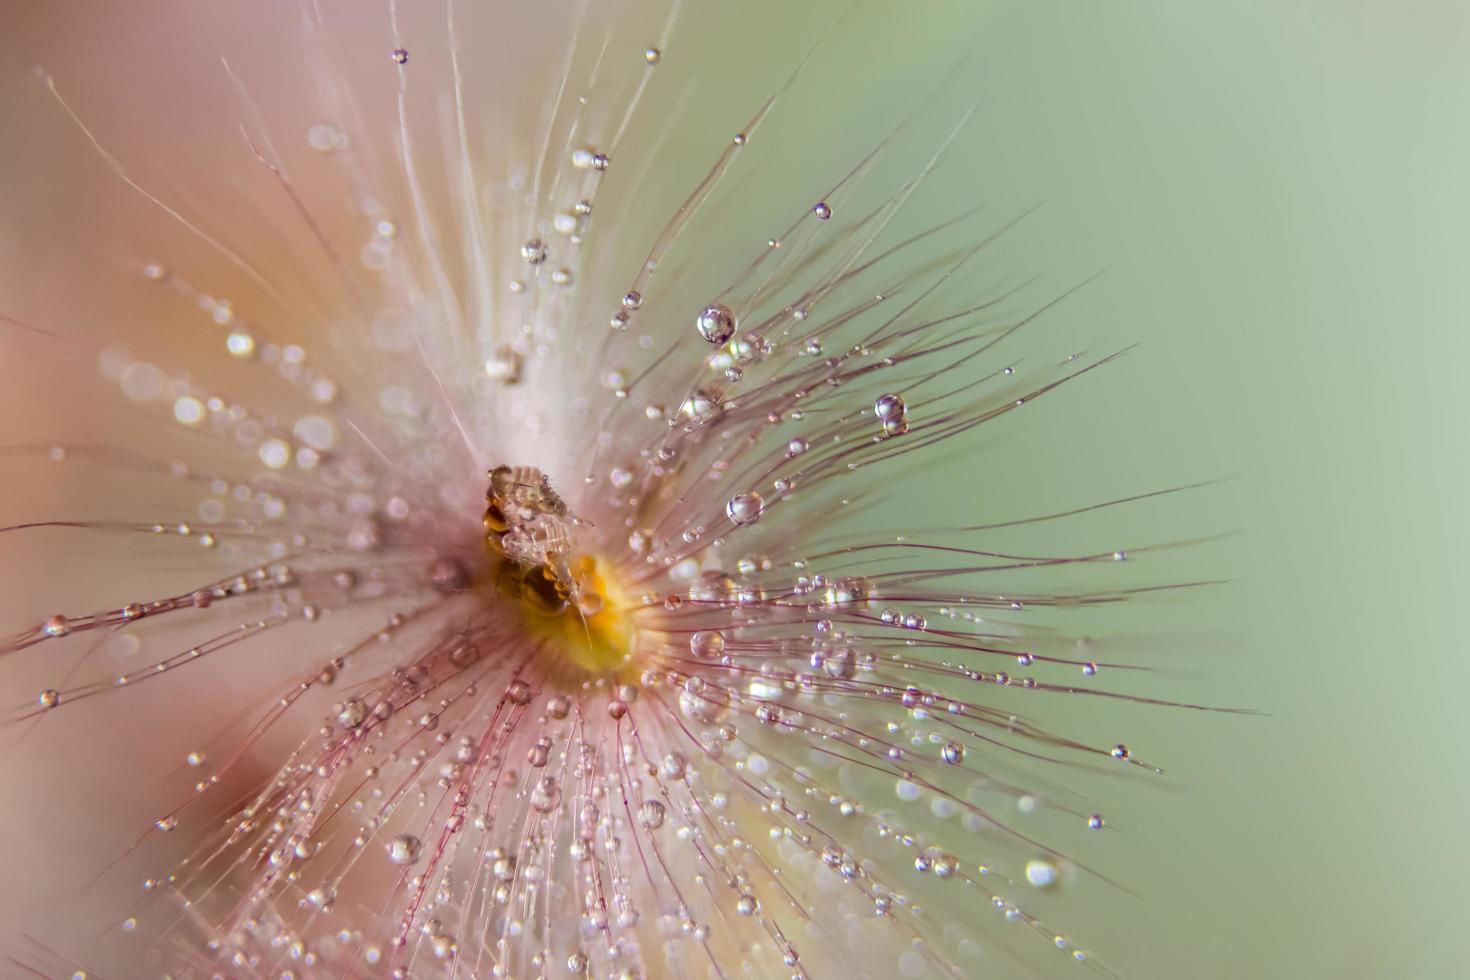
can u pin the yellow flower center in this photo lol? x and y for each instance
(562, 597)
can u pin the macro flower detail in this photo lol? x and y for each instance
(572, 638)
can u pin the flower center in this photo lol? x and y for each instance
(562, 597)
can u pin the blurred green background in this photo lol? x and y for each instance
(1277, 193)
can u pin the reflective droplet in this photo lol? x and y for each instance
(400, 56)
(404, 849)
(953, 753)
(504, 366)
(889, 407)
(534, 251)
(651, 55)
(822, 210)
(352, 714)
(707, 644)
(745, 508)
(1041, 872)
(651, 815)
(49, 698)
(701, 407)
(716, 323)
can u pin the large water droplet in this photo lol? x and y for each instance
(716, 323)
(405, 849)
(745, 508)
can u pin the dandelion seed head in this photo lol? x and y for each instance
(573, 639)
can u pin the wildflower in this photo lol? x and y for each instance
(568, 575)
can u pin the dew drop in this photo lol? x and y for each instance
(404, 849)
(651, 815)
(240, 344)
(889, 407)
(716, 323)
(707, 644)
(504, 366)
(822, 210)
(400, 56)
(49, 698)
(745, 508)
(1041, 872)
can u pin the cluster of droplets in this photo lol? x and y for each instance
(786, 751)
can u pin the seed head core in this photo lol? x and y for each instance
(562, 597)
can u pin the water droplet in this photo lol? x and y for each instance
(400, 56)
(651, 815)
(1095, 822)
(745, 508)
(953, 753)
(405, 849)
(49, 698)
(504, 366)
(1041, 872)
(352, 714)
(651, 55)
(716, 323)
(240, 344)
(534, 251)
(822, 210)
(1120, 751)
(707, 644)
(889, 407)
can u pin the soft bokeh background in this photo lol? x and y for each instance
(1277, 195)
